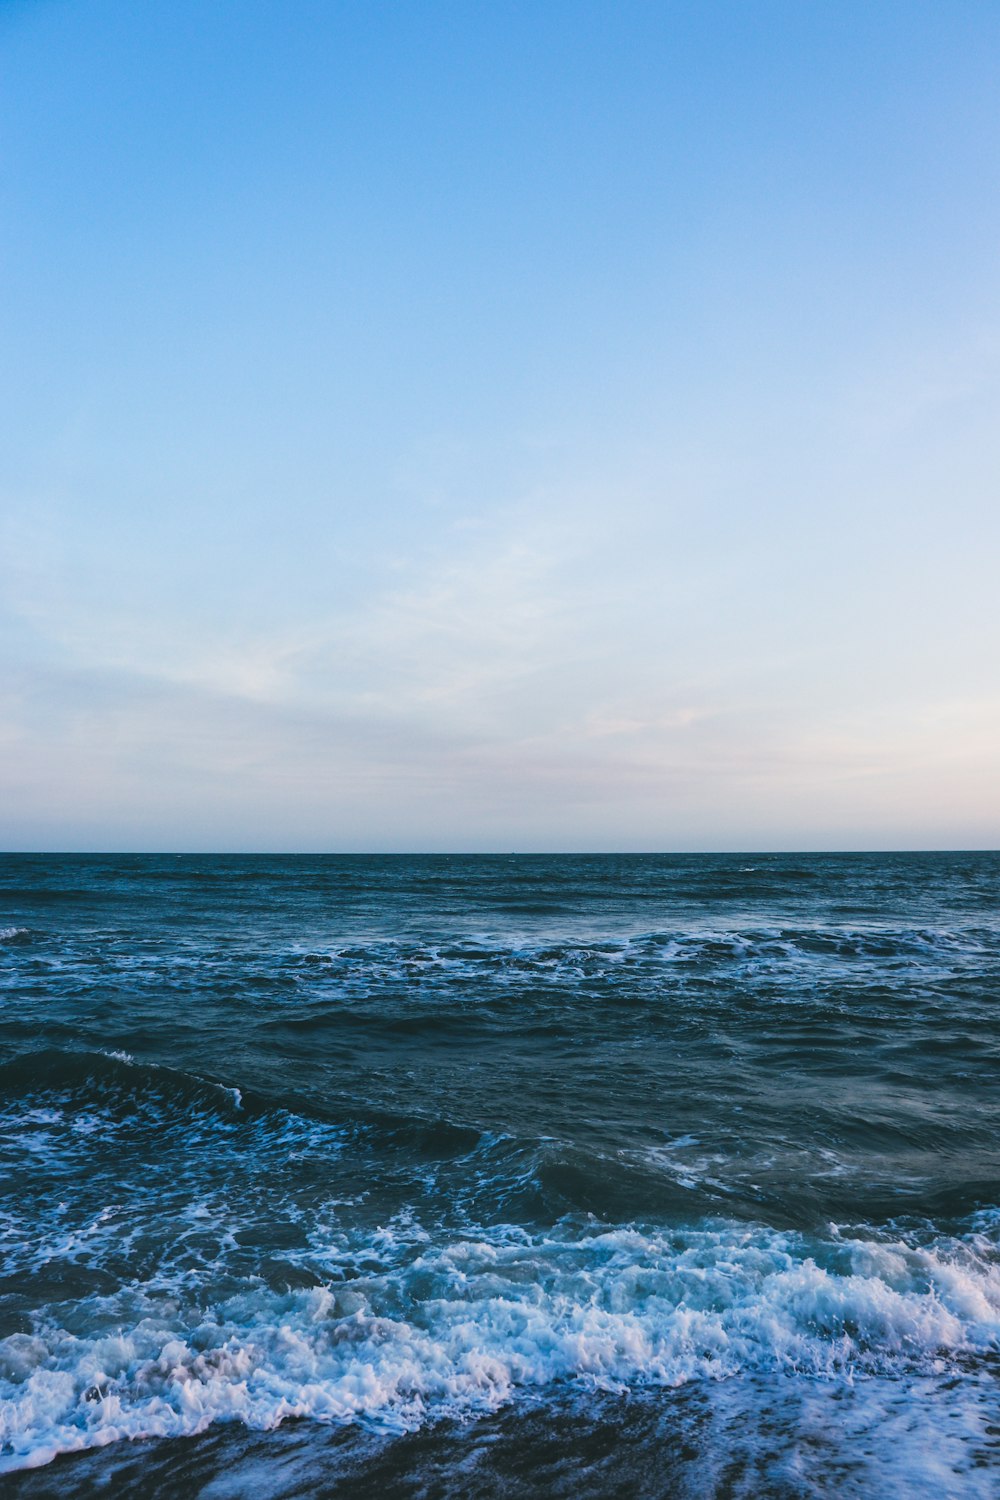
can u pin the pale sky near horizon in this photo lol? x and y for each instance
(515, 426)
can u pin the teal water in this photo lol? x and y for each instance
(665, 1175)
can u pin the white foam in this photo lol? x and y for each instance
(405, 1330)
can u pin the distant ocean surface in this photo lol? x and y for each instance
(581, 1176)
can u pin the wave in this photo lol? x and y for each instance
(406, 1331)
(217, 1267)
(419, 987)
(129, 1089)
(180, 1252)
(578, 956)
(80, 1130)
(112, 1082)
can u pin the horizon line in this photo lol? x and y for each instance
(479, 853)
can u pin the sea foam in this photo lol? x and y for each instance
(395, 1339)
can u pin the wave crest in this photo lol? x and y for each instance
(406, 1330)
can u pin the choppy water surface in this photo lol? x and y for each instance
(572, 1175)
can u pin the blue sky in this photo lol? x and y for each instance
(451, 426)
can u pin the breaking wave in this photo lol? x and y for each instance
(405, 1330)
(224, 1270)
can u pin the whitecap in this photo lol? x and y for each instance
(405, 1329)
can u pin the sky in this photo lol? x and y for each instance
(521, 426)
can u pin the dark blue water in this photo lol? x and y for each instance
(456, 1175)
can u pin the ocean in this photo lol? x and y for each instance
(512, 1175)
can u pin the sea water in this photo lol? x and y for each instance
(582, 1175)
